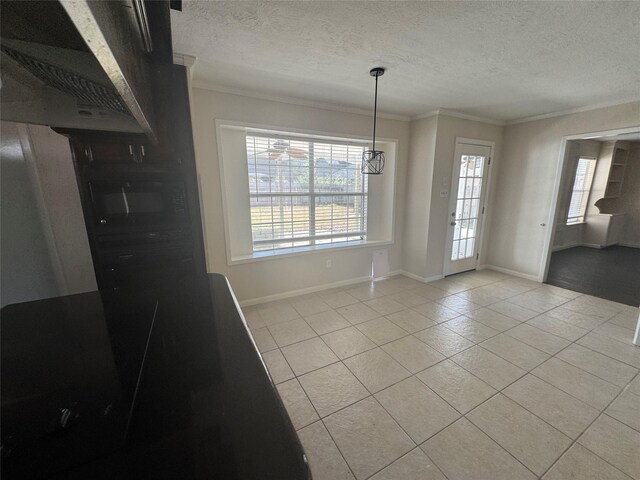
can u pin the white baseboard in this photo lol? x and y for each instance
(592, 245)
(412, 276)
(514, 273)
(419, 278)
(326, 286)
(302, 291)
(434, 278)
(565, 247)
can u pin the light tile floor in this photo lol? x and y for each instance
(477, 376)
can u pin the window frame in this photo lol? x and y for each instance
(283, 245)
(228, 172)
(586, 189)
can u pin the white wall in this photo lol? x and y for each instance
(45, 250)
(50, 154)
(284, 274)
(629, 200)
(27, 273)
(526, 181)
(418, 195)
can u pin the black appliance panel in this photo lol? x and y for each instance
(138, 203)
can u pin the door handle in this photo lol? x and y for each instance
(453, 223)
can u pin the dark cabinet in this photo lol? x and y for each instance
(119, 150)
(113, 152)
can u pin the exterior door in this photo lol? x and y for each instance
(466, 208)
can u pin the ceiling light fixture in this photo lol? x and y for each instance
(373, 160)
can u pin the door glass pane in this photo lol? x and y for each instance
(454, 250)
(477, 183)
(463, 165)
(471, 228)
(469, 251)
(475, 206)
(461, 188)
(478, 167)
(466, 209)
(464, 228)
(459, 208)
(463, 244)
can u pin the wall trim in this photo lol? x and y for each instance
(419, 278)
(295, 101)
(302, 291)
(184, 59)
(570, 111)
(592, 245)
(558, 248)
(431, 113)
(514, 273)
(326, 286)
(630, 245)
(475, 118)
(454, 113)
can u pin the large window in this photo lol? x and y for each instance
(305, 191)
(581, 188)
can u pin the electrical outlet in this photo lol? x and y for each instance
(329, 263)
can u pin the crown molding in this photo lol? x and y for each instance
(466, 116)
(189, 61)
(432, 113)
(295, 101)
(183, 59)
(571, 111)
(456, 114)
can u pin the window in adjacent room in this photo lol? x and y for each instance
(305, 191)
(581, 188)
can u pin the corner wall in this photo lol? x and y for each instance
(418, 195)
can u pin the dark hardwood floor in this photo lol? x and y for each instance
(612, 273)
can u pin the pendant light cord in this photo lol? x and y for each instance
(375, 114)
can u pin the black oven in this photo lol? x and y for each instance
(154, 203)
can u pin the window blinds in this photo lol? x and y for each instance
(305, 191)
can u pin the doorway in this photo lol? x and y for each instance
(594, 244)
(471, 163)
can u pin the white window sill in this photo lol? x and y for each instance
(307, 250)
(574, 224)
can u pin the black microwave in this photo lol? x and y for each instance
(138, 203)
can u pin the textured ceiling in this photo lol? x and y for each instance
(503, 60)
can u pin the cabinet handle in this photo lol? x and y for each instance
(131, 150)
(142, 149)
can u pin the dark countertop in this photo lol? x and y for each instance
(164, 383)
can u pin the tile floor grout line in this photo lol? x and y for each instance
(461, 351)
(602, 412)
(337, 447)
(407, 307)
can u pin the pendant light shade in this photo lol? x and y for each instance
(373, 160)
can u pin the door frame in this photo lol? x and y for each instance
(552, 217)
(451, 204)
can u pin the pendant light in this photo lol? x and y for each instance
(373, 160)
